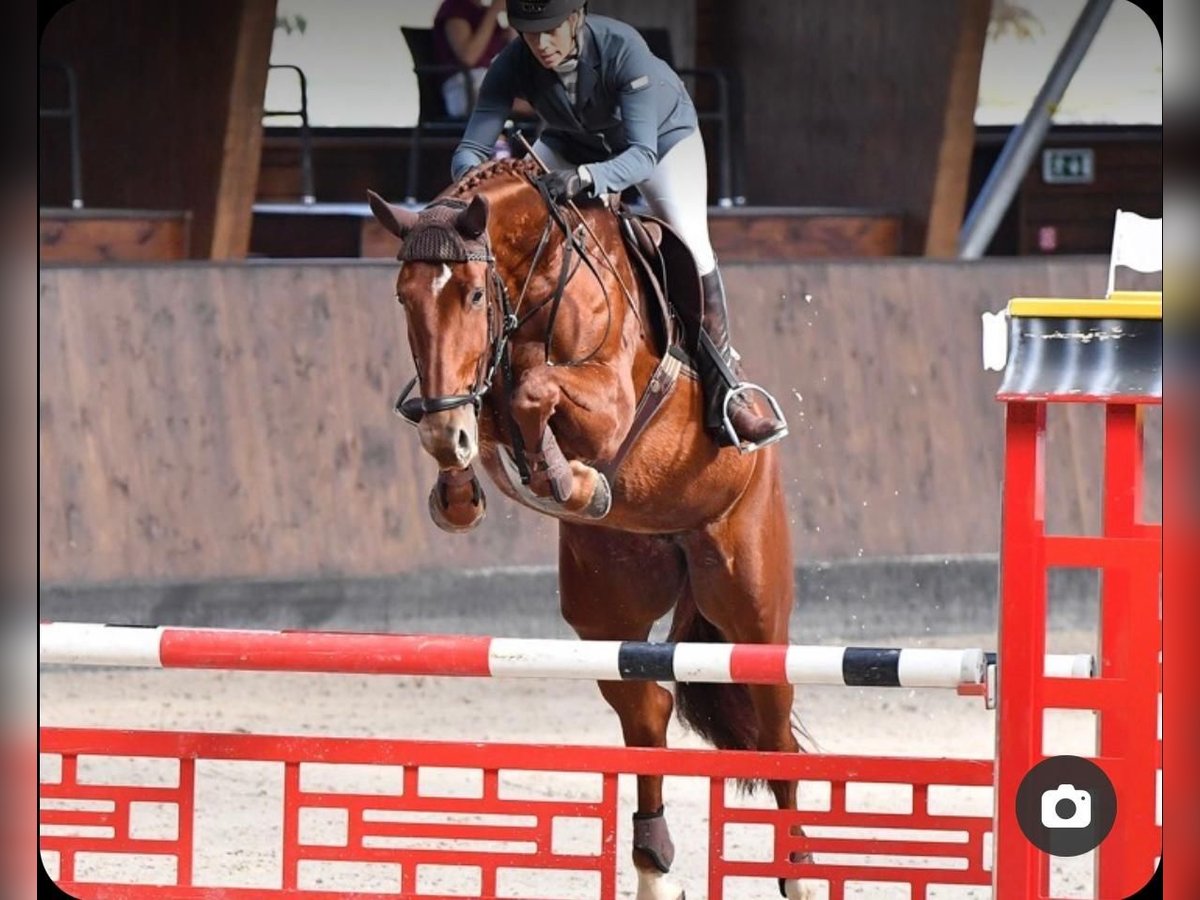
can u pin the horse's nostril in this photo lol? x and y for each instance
(464, 441)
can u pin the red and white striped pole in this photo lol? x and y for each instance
(73, 643)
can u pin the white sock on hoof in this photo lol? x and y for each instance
(657, 886)
(795, 889)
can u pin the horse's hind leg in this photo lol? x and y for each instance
(614, 587)
(741, 578)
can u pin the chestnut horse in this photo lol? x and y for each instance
(532, 341)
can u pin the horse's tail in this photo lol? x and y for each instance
(722, 714)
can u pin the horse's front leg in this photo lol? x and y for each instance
(589, 403)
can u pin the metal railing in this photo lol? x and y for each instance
(307, 189)
(70, 112)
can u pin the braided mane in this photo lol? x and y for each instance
(478, 177)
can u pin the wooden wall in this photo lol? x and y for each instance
(170, 99)
(85, 235)
(678, 18)
(1128, 175)
(855, 102)
(218, 421)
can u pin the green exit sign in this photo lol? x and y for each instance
(1062, 165)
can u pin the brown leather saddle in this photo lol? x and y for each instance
(668, 274)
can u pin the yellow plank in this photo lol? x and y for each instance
(1121, 305)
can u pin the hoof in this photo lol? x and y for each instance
(657, 886)
(587, 503)
(794, 889)
(457, 502)
(592, 497)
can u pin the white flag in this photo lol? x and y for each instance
(1137, 244)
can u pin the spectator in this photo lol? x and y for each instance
(468, 33)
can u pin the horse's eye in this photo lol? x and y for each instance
(399, 299)
(477, 297)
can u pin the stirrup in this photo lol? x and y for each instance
(727, 423)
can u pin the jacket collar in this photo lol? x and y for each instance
(589, 66)
(551, 87)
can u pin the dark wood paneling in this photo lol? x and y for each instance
(220, 421)
(306, 236)
(376, 242)
(1142, 142)
(846, 100)
(678, 18)
(166, 94)
(1128, 175)
(766, 235)
(72, 236)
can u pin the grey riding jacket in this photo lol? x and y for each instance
(630, 106)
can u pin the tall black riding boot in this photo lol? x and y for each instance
(729, 414)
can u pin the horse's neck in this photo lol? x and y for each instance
(586, 302)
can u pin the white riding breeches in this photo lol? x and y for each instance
(455, 95)
(676, 192)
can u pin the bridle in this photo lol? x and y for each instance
(413, 409)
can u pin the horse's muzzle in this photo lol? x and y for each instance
(451, 437)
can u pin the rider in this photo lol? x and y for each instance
(617, 116)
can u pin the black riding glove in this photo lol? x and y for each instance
(562, 185)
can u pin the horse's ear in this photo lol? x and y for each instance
(395, 219)
(472, 221)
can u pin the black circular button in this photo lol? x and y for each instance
(1066, 805)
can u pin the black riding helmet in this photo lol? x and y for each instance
(540, 15)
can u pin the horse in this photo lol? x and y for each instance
(536, 354)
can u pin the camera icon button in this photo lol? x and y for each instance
(1066, 805)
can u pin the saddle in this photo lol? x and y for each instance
(667, 271)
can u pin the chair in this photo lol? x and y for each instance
(727, 87)
(431, 115)
(70, 112)
(306, 167)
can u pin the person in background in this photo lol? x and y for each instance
(468, 33)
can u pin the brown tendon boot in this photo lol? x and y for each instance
(729, 414)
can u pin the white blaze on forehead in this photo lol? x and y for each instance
(441, 279)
